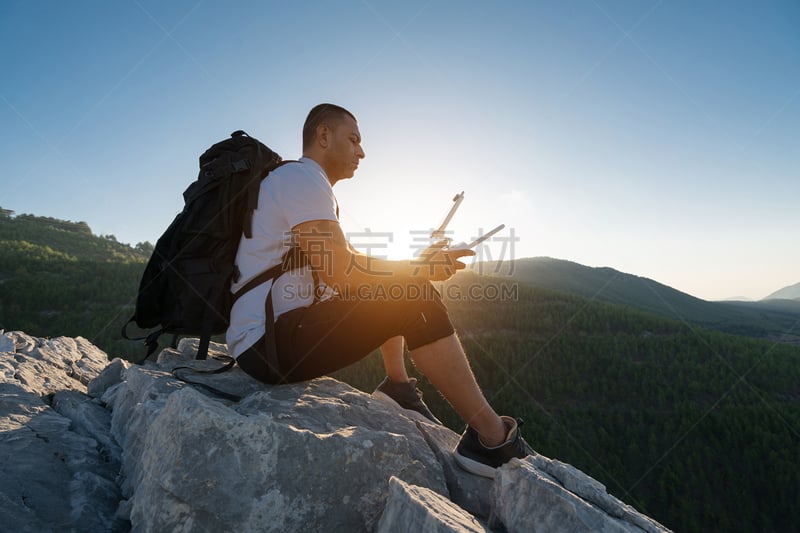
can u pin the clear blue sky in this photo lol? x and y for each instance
(657, 138)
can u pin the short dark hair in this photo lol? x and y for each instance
(321, 114)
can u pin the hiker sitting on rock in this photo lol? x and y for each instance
(343, 304)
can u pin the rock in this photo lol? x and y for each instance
(527, 497)
(312, 456)
(89, 419)
(52, 476)
(471, 492)
(44, 366)
(135, 402)
(7, 344)
(146, 451)
(110, 376)
(412, 508)
(580, 484)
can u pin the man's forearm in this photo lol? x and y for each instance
(339, 264)
(361, 269)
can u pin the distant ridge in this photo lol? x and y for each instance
(606, 284)
(756, 319)
(792, 292)
(40, 237)
(57, 278)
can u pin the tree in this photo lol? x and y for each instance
(144, 248)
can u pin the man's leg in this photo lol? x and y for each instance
(332, 334)
(398, 388)
(335, 333)
(445, 365)
(394, 359)
(489, 440)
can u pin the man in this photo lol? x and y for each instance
(334, 311)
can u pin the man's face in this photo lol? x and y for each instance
(344, 150)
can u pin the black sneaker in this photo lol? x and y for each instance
(406, 395)
(474, 457)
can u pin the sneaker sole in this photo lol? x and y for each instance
(474, 467)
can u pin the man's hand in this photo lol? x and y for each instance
(436, 263)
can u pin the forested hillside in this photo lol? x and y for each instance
(56, 278)
(765, 319)
(697, 428)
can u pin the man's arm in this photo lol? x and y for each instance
(338, 264)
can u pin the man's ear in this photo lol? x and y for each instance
(323, 135)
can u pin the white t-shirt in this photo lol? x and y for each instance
(291, 194)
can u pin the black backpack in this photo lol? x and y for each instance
(185, 288)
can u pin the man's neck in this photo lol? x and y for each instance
(332, 181)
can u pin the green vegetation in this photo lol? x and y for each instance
(56, 278)
(697, 428)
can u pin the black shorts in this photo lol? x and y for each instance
(330, 335)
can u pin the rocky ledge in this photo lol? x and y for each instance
(92, 445)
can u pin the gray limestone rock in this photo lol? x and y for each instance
(44, 366)
(7, 344)
(412, 508)
(108, 377)
(469, 491)
(312, 456)
(90, 419)
(150, 452)
(54, 476)
(538, 494)
(135, 402)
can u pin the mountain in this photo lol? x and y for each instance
(69, 240)
(756, 319)
(661, 411)
(57, 278)
(792, 292)
(678, 410)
